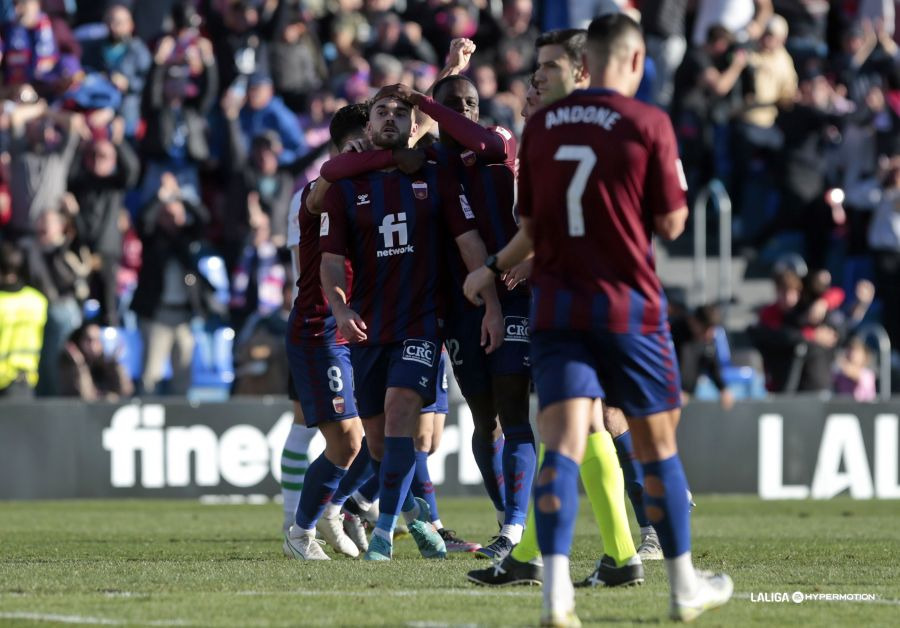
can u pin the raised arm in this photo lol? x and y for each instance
(461, 51)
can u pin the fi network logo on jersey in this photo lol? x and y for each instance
(394, 225)
(516, 329)
(421, 351)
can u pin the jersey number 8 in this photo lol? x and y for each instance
(335, 383)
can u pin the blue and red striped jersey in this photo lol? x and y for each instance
(391, 226)
(312, 322)
(596, 168)
(489, 189)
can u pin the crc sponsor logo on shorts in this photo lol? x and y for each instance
(516, 329)
(421, 351)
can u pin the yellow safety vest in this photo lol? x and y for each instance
(23, 314)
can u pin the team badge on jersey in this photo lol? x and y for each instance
(420, 190)
(338, 404)
(421, 351)
(469, 158)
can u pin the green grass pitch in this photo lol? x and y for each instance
(174, 563)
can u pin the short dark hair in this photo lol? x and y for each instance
(717, 32)
(608, 34)
(708, 316)
(572, 40)
(12, 259)
(448, 79)
(347, 121)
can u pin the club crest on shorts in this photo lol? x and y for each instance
(469, 158)
(420, 190)
(516, 329)
(338, 404)
(421, 351)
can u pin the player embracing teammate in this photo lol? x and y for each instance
(599, 175)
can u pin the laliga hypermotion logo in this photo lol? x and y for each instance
(394, 225)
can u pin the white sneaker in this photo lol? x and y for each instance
(332, 530)
(354, 529)
(302, 546)
(713, 590)
(650, 549)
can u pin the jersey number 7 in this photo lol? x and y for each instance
(586, 158)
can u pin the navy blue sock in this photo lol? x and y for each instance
(357, 474)
(634, 476)
(669, 513)
(519, 460)
(371, 486)
(397, 468)
(488, 457)
(322, 478)
(556, 503)
(422, 486)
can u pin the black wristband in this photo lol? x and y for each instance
(491, 262)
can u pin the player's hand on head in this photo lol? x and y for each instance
(492, 330)
(477, 280)
(461, 51)
(400, 92)
(518, 273)
(409, 160)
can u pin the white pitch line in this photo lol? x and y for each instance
(85, 619)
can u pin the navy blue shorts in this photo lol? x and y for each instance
(635, 372)
(323, 382)
(441, 404)
(472, 367)
(412, 364)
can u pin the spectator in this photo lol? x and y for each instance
(390, 37)
(706, 97)
(884, 238)
(23, 312)
(853, 374)
(694, 337)
(60, 270)
(106, 168)
(773, 85)
(745, 19)
(260, 363)
(42, 147)
(664, 30)
(28, 49)
(124, 60)
(298, 68)
(242, 30)
(179, 94)
(257, 185)
(264, 111)
(170, 290)
(86, 372)
(772, 336)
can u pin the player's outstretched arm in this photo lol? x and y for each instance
(473, 253)
(517, 250)
(334, 284)
(483, 142)
(461, 51)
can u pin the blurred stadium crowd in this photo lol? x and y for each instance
(149, 152)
